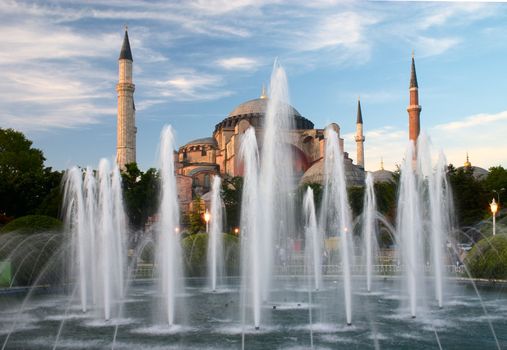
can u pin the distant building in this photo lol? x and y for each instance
(382, 175)
(477, 172)
(197, 161)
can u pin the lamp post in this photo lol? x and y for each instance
(494, 207)
(498, 194)
(207, 217)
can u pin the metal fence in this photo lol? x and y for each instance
(146, 271)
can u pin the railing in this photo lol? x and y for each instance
(387, 269)
(146, 271)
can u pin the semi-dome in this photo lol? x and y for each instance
(383, 176)
(202, 141)
(315, 174)
(254, 111)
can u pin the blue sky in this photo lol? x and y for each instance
(194, 61)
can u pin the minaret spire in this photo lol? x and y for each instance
(359, 135)
(126, 122)
(359, 114)
(126, 53)
(414, 109)
(263, 92)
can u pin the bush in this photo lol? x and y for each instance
(488, 258)
(195, 250)
(31, 224)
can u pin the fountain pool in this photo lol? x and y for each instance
(214, 323)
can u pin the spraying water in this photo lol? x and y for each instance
(276, 178)
(215, 246)
(436, 190)
(336, 211)
(169, 250)
(369, 228)
(409, 229)
(251, 251)
(96, 220)
(313, 240)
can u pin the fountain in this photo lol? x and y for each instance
(369, 228)
(282, 298)
(313, 239)
(215, 240)
(250, 234)
(168, 250)
(424, 216)
(336, 217)
(95, 214)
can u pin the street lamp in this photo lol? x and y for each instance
(494, 208)
(236, 231)
(498, 194)
(207, 217)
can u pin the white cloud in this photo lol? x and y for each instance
(189, 86)
(482, 119)
(428, 46)
(481, 135)
(345, 29)
(238, 63)
(387, 143)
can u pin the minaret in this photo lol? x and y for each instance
(126, 123)
(359, 136)
(414, 109)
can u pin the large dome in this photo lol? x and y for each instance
(257, 106)
(254, 111)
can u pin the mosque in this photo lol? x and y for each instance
(198, 160)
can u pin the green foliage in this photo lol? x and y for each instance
(356, 198)
(196, 221)
(141, 194)
(25, 184)
(385, 193)
(33, 257)
(470, 198)
(496, 180)
(232, 189)
(488, 258)
(32, 224)
(195, 250)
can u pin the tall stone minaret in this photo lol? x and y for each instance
(126, 124)
(414, 109)
(359, 136)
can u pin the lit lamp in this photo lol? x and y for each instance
(494, 208)
(207, 217)
(236, 231)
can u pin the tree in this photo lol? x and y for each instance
(196, 222)
(25, 183)
(470, 197)
(496, 179)
(141, 194)
(488, 258)
(232, 189)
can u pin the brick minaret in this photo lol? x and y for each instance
(126, 123)
(359, 136)
(414, 109)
